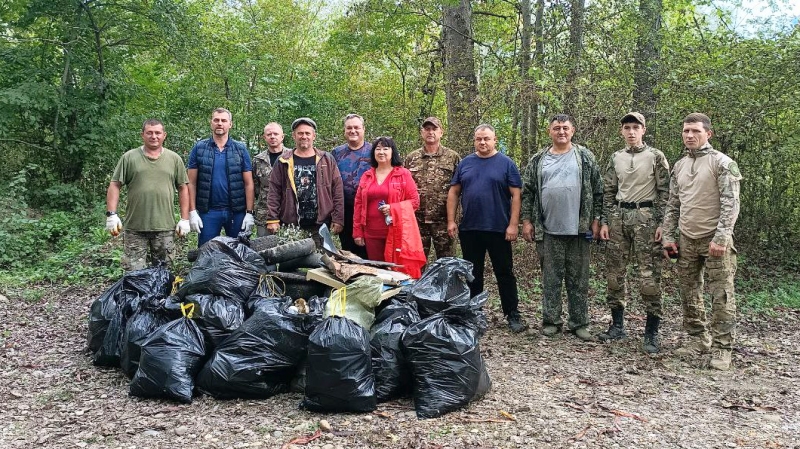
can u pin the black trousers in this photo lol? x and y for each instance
(474, 245)
(346, 237)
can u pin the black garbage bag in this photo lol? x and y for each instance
(392, 373)
(110, 351)
(225, 267)
(101, 313)
(148, 284)
(443, 285)
(339, 371)
(260, 358)
(139, 328)
(170, 360)
(216, 316)
(445, 358)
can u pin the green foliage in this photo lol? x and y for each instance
(769, 299)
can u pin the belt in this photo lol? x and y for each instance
(635, 205)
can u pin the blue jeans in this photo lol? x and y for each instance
(215, 220)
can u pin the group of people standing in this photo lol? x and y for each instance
(387, 208)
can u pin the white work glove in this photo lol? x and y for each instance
(195, 223)
(114, 225)
(183, 227)
(248, 223)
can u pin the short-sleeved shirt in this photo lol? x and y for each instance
(561, 193)
(485, 195)
(151, 185)
(219, 174)
(352, 164)
(305, 180)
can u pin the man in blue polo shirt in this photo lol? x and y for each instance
(490, 188)
(220, 183)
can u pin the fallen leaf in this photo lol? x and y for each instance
(508, 415)
(382, 414)
(303, 440)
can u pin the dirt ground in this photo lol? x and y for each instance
(560, 393)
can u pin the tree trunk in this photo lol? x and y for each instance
(575, 55)
(647, 58)
(461, 85)
(528, 90)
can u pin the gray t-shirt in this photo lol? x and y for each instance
(561, 193)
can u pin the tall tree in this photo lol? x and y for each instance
(647, 57)
(461, 84)
(576, 29)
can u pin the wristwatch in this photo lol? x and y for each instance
(110, 213)
(249, 211)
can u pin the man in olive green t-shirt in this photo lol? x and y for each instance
(153, 174)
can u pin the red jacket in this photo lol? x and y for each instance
(401, 188)
(403, 242)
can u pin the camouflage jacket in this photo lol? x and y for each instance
(612, 179)
(591, 191)
(261, 171)
(727, 176)
(432, 173)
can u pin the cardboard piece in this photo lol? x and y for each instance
(323, 276)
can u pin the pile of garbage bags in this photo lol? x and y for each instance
(228, 331)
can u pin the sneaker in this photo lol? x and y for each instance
(550, 330)
(583, 333)
(516, 324)
(721, 359)
(692, 347)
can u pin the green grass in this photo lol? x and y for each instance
(771, 298)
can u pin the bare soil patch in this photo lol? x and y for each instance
(560, 392)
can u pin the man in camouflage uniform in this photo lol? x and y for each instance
(432, 168)
(636, 187)
(262, 167)
(152, 175)
(704, 205)
(562, 205)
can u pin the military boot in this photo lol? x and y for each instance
(694, 345)
(650, 344)
(617, 329)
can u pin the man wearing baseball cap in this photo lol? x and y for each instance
(636, 188)
(305, 186)
(432, 168)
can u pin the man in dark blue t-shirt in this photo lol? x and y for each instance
(490, 187)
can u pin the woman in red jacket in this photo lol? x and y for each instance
(387, 183)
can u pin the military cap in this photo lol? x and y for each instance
(637, 117)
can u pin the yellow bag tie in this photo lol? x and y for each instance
(176, 284)
(189, 307)
(342, 301)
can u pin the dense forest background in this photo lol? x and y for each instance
(78, 77)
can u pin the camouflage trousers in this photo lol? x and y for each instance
(564, 259)
(693, 260)
(631, 234)
(143, 249)
(437, 233)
